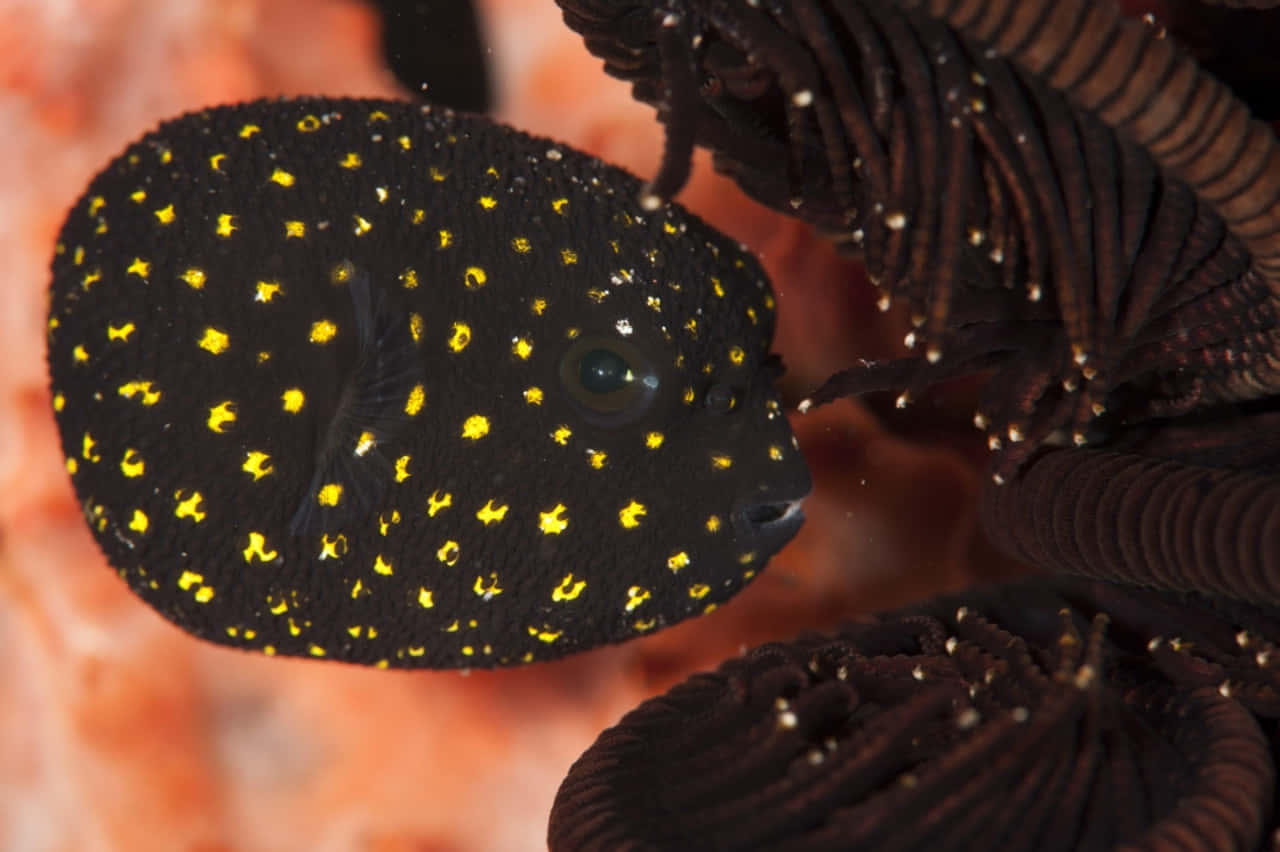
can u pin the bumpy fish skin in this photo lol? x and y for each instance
(380, 383)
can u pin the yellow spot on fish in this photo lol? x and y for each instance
(568, 590)
(195, 277)
(405, 142)
(636, 595)
(96, 204)
(459, 337)
(351, 161)
(131, 464)
(331, 548)
(568, 257)
(424, 598)
(677, 560)
(689, 396)
(448, 552)
(521, 245)
(474, 278)
(248, 130)
(294, 229)
(330, 494)
(644, 624)
(713, 523)
(313, 649)
(438, 502)
(90, 278)
(121, 332)
(139, 267)
(361, 225)
(416, 327)
(221, 415)
(491, 514)
(521, 348)
(293, 400)
(59, 402)
(446, 239)
(629, 516)
(533, 395)
(139, 522)
(308, 124)
(698, 591)
(281, 177)
(138, 196)
(737, 356)
(322, 331)
(597, 458)
(751, 315)
(72, 466)
(384, 523)
(545, 634)
(257, 463)
(409, 278)
(721, 462)
(86, 448)
(489, 590)
(717, 287)
(402, 468)
(553, 522)
(257, 549)
(488, 202)
(214, 341)
(265, 291)
(129, 390)
(562, 434)
(416, 399)
(775, 452)
(475, 427)
(226, 225)
(80, 354)
(747, 558)
(436, 174)
(538, 306)
(378, 115)
(653, 440)
(560, 205)
(189, 507)
(165, 215)
(215, 162)
(382, 566)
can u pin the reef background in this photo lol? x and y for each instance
(117, 731)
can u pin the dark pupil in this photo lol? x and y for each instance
(602, 371)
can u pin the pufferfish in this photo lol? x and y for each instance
(380, 383)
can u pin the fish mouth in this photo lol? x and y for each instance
(775, 521)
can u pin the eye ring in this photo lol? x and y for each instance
(609, 381)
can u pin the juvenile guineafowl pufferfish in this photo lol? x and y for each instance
(375, 382)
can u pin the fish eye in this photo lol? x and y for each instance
(610, 381)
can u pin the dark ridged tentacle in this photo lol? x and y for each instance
(1053, 146)
(1029, 716)
(1147, 521)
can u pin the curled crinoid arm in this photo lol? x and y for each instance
(1072, 157)
(1146, 521)
(1024, 716)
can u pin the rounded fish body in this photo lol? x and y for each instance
(374, 382)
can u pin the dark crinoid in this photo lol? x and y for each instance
(1019, 717)
(1065, 201)
(1054, 190)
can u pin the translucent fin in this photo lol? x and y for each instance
(353, 465)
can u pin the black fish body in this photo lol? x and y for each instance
(374, 382)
